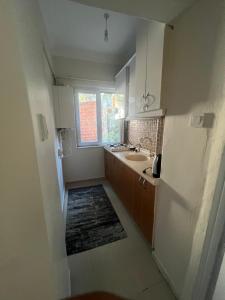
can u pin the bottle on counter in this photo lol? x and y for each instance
(156, 166)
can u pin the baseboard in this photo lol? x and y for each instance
(165, 274)
(68, 183)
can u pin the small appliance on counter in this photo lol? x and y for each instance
(156, 166)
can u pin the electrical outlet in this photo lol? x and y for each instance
(197, 120)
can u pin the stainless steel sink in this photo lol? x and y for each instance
(136, 157)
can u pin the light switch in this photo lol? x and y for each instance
(197, 120)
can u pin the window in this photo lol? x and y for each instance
(98, 116)
(88, 118)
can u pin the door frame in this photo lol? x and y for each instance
(208, 268)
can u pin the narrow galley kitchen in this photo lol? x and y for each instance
(112, 168)
(109, 119)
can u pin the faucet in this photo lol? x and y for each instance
(138, 147)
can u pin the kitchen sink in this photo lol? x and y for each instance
(136, 157)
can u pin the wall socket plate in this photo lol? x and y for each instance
(204, 120)
(197, 120)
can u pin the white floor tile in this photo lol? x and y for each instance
(124, 267)
(160, 291)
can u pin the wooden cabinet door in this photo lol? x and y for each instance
(127, 187)
(109, 167)
(107, 164)
(123, 183)
(138, 190)
(117, 174)
(136, 194)
(147, 210)
(144, 206)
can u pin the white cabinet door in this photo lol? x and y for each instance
(154, 64)
(121, 87)
(141, 65)
(64, 107)
(131, 88)
(149, 60)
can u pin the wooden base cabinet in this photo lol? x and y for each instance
(144, 200)
(137, 194)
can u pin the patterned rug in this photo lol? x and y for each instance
(91, 220)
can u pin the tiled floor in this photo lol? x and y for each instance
(124, 267)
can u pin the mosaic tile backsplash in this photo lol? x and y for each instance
(147, 133)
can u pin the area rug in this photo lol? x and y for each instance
(91, 220)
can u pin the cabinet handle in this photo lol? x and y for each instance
(151, 98)
(144, 184)
(145, 107)
(141, 180)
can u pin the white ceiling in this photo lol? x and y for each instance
(158, 10)
(77, 31)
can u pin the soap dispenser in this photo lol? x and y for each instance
(156, 166)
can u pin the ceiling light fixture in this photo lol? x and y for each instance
(106, 33)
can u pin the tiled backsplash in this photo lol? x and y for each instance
(147, 133)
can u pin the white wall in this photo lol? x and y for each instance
(193, 83)
(83, 163)
(33, 262)
(57, 138)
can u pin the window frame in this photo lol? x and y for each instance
(97, 92)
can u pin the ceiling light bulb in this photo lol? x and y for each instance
(106, 33)
(106, 37)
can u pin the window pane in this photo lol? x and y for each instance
(110, 123)
(119, 100)
(88, 118)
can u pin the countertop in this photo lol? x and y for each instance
(136, 166)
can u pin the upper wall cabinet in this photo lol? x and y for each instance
(131, 87)
(64, 107)
(121, 88)
(149, 60)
